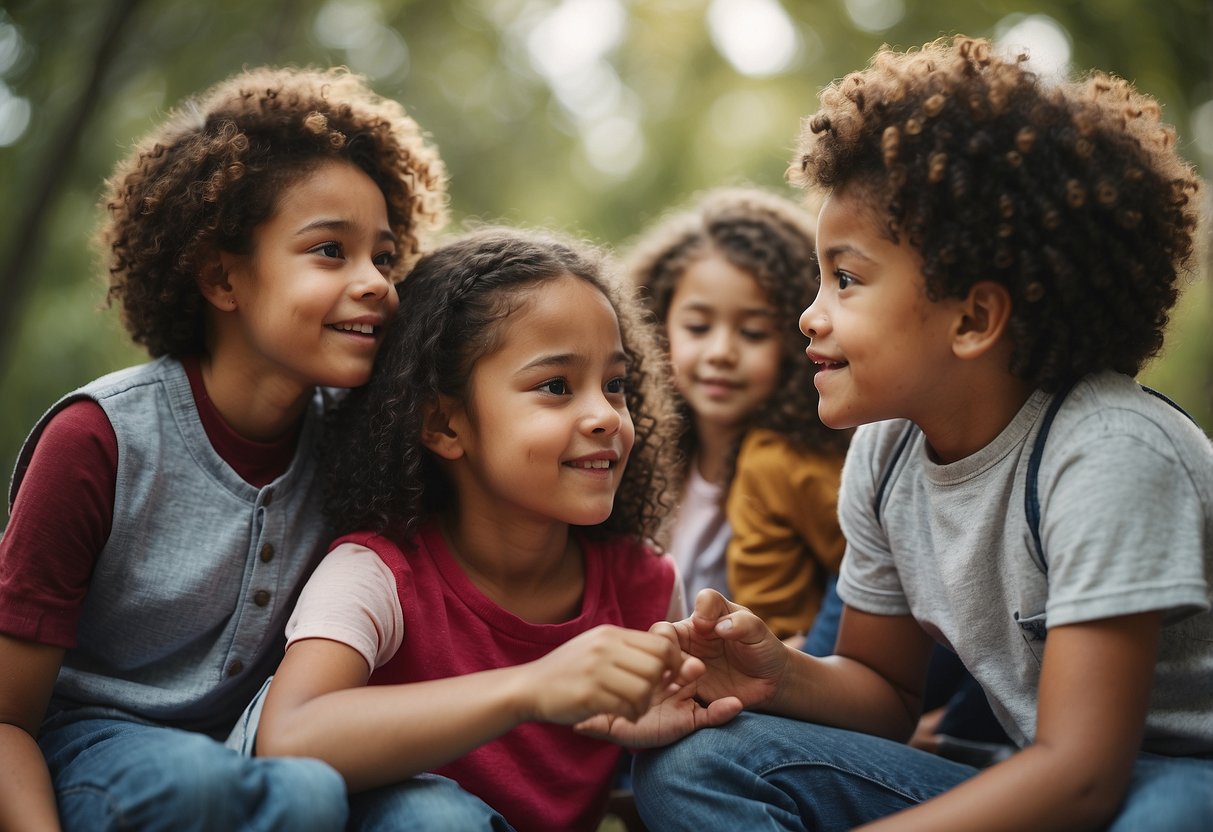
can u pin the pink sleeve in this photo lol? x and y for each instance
(678, 601)
(351, 598)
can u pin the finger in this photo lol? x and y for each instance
(692, 668)
(676, 632)
(625, 692)
(668, 651)
(742, 626)
(710, 607)
(597, 726)
(718, 712)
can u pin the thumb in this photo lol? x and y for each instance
(743, 626)
(719, 711)
(710, 605)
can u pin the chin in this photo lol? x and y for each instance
(837, 421)
(352, 378)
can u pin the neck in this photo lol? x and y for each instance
(966, 423)
(261, 408)
(713, 445)
(533, 570)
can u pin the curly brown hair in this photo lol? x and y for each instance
(1069, 194)
(772, 239)
(201, 182)
(379, 475)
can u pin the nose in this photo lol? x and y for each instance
(814, 321)
(602, 417)
(370, 282)
(722, 346)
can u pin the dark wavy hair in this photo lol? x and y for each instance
(379, 475)
(208, 176)
(772, 239)
(1070, 194)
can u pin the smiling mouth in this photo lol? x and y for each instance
(592, 464)
(361, 329)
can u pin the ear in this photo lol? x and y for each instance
(214, 283)
(983, 317)
(437, 432)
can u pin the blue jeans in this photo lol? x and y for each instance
(762, 772)
(111, 774)
(425, 803)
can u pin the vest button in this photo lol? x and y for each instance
(235, 667)
(261, 597)
(267, 553)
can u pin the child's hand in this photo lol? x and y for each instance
(744, 659)
(606, 670)
(674, 713)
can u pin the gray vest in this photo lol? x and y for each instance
(188, 602)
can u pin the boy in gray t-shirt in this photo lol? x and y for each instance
(998, 255)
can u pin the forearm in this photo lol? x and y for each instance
(27, 800)
(845, 693)
(386, 733)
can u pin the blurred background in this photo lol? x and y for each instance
(592, 116)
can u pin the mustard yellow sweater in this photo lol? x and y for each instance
(783, 507)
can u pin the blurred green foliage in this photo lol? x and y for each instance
(593, 116)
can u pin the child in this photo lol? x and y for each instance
(1002, 254)
(494, 482)
(164, 518)
(726, 281)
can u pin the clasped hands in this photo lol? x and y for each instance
(730, 661)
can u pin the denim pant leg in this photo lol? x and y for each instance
(112, 774)
(425, 803)
(1171, 793)
(762, 772)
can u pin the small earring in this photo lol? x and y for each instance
(231, 303)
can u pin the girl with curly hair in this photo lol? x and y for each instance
(725, 282)
(165, 517)
(494, 484)
(1001, 254)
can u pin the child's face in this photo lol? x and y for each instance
(724, 349)
(312, 298)
(547, 433)
(882, 348)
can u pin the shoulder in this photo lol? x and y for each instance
(765, 451)
(1110, 415)
(877, 449)
(121, 381)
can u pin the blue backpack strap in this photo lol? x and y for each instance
(1158, 395)
(1031, 494)
(890, 467)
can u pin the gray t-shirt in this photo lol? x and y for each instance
(1126, 522)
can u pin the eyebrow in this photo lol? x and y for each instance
(846, 248)
(703, 306)
(385, 234)
(567, 359)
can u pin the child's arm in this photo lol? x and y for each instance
(317, 705)
(1094, 691)
(873, 684)
(27, 800)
